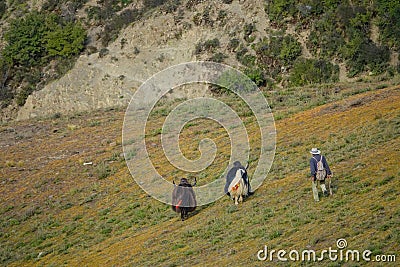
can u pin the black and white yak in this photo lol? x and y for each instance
(237, 184)
(184, 198)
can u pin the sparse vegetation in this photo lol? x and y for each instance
(218, 57)
(118, 22)
(363, 56)
(208, 45)
(342, 30)
(248, 31)
(277, 54)
(74, 209)
(233, 44)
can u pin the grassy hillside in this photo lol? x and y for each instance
(56, 210)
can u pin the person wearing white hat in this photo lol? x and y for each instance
(320, 170)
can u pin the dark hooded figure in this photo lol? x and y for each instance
(231, 175)
(183, 198)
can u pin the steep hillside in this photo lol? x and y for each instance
(67, 197)
(86, 55)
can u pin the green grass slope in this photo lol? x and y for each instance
(56, 210)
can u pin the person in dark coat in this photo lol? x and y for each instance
(231, 175)
(317, 157)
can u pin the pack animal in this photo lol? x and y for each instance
(184, 198)
(238, 188)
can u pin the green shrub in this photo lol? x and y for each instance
(298, 10)
(92, 12)
(241, 52)
(25, 39)
(331, 4)
(389, 21)
(325, 40)
(222, 14)
(211, 44)
(248, 31)
(233, 44)
(310, 71)
(232, 81)
(32, 41)
(203, 18)
(353, 20)
(208, 45)
(206, 19)
(218, 57)
(362, 55)
(277, 10)
(345, 13)
(21, 97)
(65, 41)
(197, 19)
(256, 75)
(276, 52)
(290, 50)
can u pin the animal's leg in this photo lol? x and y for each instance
(236, 200)
(182, 214)
(240, 199)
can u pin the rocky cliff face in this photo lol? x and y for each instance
(109, 78)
